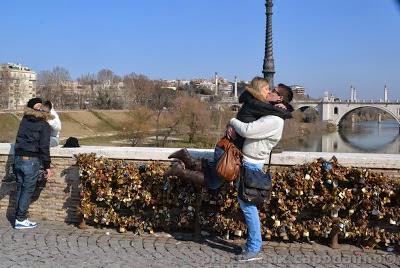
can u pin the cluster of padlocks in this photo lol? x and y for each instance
(308, 202)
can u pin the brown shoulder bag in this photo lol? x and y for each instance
(228, 166)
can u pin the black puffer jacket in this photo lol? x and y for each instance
(254, 107)
(33, 138)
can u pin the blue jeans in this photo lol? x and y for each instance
(254, 240)
(213, 181)
(27, 172)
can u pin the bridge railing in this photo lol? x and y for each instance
(397, 101)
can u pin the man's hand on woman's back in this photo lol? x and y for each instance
(230, 132)
(281, 106)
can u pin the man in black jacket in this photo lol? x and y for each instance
(32, 149)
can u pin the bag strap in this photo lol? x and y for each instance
(269, 162)
(227, 144)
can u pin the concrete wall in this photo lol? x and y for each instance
(59, 200)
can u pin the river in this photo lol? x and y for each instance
(360, 137)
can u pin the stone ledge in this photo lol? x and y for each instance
(286, 158)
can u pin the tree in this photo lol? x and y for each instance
(45, 84)
(138, 89)
(141, 125)
(108, 95)
(88, 80)
(194, 115)
(60, 77)
(60, 74)
(107, 76)
(170, 121)
(161, 100)
(52, 85)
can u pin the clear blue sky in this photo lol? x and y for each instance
(321, 44)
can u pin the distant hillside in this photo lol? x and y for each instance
(81, 124)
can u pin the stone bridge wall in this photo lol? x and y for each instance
(59, 200)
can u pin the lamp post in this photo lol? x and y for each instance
(235, 87)
(216, 83)
(268, 66)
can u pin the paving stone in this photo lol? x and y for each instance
(55, 244)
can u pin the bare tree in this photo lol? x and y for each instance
(138, 89)
(141, 125)
(107, 76)
(60, 74)
(170, 122)
(108, 92)
(53, 85)
(194, 114)
(45, 85)
(161, 100)
(88, 80)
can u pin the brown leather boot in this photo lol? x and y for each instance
(177, 169)
(195, 177)
(187, 159)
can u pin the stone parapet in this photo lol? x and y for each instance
(286, 158)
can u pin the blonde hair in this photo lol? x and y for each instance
(255, 87)
(258, 83)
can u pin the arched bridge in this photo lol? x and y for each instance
(333, 111)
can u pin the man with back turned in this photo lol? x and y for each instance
(31, 151)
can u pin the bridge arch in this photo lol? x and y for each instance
(341, 116)
(307, 113)
(302, 108)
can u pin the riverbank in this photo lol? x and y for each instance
(106, 128)
(296, 132)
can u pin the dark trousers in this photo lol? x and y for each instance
(26, 171)
(213, 182)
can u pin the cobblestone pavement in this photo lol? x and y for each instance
(55, 244)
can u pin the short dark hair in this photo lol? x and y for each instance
(48, 104)
(286, 93)
(32, 102)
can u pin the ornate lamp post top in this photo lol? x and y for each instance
(269, 65)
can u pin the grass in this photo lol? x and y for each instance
(116, 119)
(72, 127)
(111, 123)
(90, 121)
(113, 140)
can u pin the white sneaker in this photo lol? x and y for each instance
(249, 256)
(25, 224)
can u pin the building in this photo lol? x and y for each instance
(17, 86)
(204, 84)
(299, 90)
(225, 89)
